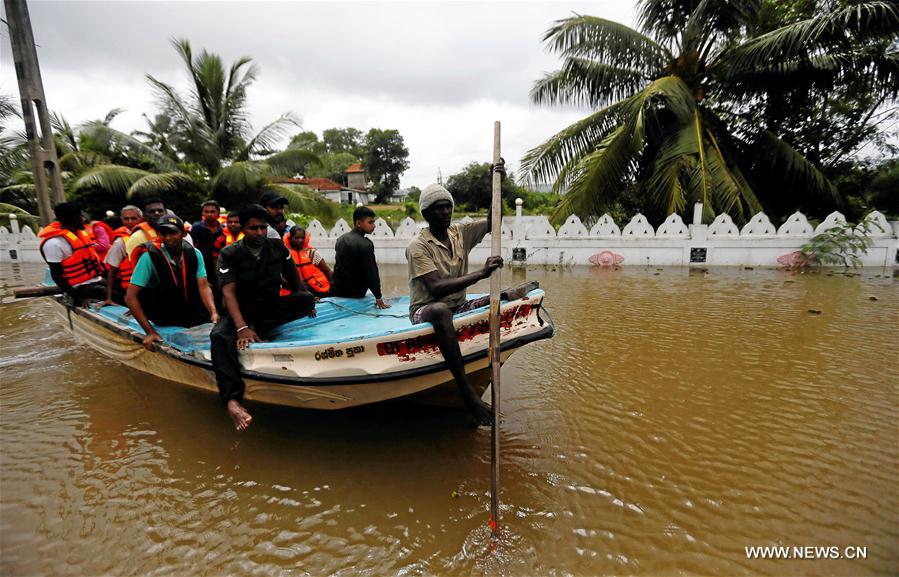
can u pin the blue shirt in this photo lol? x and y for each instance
(144, 274)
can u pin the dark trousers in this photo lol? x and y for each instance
(94, 291)
(223, 339)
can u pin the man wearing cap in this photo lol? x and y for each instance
(169, 285)
(438, 277)
(275, 206)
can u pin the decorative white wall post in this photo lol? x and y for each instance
(697, 213)
(14, 223)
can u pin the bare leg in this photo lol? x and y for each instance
(239, 415)
(439, 315)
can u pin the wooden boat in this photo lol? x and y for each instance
(350, 354)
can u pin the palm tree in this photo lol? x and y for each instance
(204, 141)
(669, 123)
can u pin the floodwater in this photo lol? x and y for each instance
(677, 418)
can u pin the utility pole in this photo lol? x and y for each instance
(44, 163)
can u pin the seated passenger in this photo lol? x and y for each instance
(117, 262)
(313, 269)
(355, 268)
(250, 277)
(74, 264)
(169, 285)
(438, 277)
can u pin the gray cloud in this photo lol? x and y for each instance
(336, 64)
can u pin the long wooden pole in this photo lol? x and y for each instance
(496, 236)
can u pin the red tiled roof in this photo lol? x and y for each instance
(315, 183)
(355, 167)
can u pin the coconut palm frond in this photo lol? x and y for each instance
(774, 154)
(268, 137)
(598, 177)
(305, 201)
(291, 162)
(106, 139)
(238, 177)
(582, 82)
(153, 184)
(6, 208)
(664, 184)
(79, 160)
(111, 178)
(608, 42)
(834, 31)
(545, 162)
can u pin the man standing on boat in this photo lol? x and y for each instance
(438, 277)
(250, 274)
(355, 267)
(117, 262)
(169, 285)
(74, 264)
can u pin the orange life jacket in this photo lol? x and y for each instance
(152, 236)
(84, 264)
(125, 267)
(229, 238)
(310, 274)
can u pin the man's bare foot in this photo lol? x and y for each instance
(239, 415)
(480, 411)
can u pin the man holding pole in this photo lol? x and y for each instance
(438, 277)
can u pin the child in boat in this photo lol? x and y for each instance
(249, 275)
(169, 285)
(311, 266)
(355, 268)
(438, 277)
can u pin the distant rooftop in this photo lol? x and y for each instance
(355, 167)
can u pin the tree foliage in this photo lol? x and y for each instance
(386, 159)
(676, 104)
(472, 188)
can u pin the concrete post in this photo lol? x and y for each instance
(697, 213)
(44, 163)
(14, 223)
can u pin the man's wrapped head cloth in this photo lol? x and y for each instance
(433, 193)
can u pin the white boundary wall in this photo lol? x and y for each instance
(721, 243)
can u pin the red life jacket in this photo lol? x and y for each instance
(310, 274)
(125, 267)
(152, 237)
(84, 264)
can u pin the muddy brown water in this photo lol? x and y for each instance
(677, 417)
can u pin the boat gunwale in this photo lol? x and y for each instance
(545, 332)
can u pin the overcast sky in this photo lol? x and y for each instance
(440, 72)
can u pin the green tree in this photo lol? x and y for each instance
(386, 159)
(473, 187)
(193, 141)
(351, 140)
(333, 165)
(669, 126)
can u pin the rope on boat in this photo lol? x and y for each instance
(355, 312)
